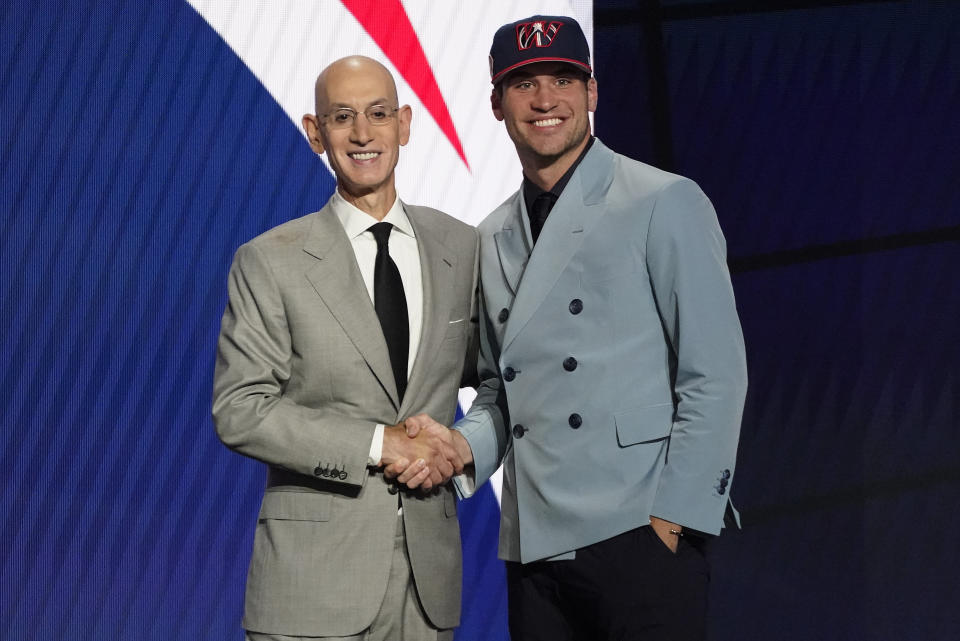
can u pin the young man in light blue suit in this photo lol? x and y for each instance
(612, 365)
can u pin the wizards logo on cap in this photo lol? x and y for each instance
(538, 39)
(538, 33)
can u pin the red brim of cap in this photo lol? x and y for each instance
(575, 63)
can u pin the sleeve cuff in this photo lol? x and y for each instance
(376, 447)
(465, 484)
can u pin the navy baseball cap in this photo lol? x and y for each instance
(538, 39)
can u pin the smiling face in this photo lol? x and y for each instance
(363, 156)
(545, 107)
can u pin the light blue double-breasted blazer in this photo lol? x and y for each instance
(612, 364)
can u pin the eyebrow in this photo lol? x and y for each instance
(377, 101)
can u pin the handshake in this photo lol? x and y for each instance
(419, 452)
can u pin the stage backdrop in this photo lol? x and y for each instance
(143, 142)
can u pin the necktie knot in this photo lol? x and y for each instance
(381, 231)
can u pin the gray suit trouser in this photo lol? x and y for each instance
(400, 617)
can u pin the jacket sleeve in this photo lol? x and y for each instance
(251, 414)
(686, 261)
(484, 425)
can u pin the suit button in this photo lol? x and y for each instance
(392, 488)
(576, 306)
(518, 431)
(504, 315)
(726, 474)
(318, 471)
(343, 475)
(721, 490)
(570, 363)
(575, 421)
(509, 374)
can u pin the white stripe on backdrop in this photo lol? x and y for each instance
(285, 43)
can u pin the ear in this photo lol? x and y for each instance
(312, 126)
(496, 104)
(592, 95)
(404, 117)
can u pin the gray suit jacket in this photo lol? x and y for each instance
(612, 361)
(302, 378)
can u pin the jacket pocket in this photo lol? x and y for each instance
(295, 506)
(644, 424)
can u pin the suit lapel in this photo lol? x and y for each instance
(437, 269)
(336, 278)
(513, 244)
(578, 210)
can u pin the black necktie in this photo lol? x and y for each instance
(391, 304)
(539, 212)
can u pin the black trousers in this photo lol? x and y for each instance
(631, 586)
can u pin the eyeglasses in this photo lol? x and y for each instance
(344, 117)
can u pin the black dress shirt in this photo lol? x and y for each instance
(532, 192)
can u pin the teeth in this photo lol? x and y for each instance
(364, 156)
(549, 122)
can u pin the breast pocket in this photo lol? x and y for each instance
(456, 329)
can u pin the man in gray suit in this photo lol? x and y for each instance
(612, 365)
(339, 325)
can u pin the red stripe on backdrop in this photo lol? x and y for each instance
(388, 25)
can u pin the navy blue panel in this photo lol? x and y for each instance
(804, 127)
(624, 97)
(138, 153)
(848, 465)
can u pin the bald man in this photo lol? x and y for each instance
(339, 325)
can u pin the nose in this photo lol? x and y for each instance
(360, 132)
(544, 98)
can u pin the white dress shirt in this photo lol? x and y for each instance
(406, 255)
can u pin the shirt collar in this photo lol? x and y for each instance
(532, 191)
(355, 221)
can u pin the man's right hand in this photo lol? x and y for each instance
(425, 460)
(424, 422)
